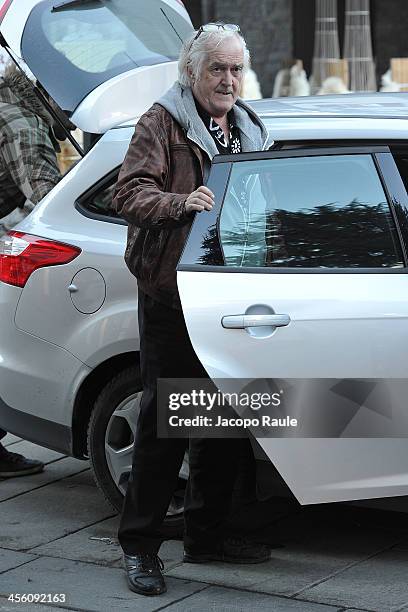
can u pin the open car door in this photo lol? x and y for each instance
(299, 272)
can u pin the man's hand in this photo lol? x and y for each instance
(201, 199)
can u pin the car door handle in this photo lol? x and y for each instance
(243, 321)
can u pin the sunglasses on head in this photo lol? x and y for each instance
(214, 27)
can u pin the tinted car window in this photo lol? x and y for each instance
(91, 42)
(402, 163)
(318, 211)
(101, 202)
(97, 202)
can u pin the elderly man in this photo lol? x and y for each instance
(160, 188)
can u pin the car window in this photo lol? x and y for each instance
(318, 211)
(402, 164)
(98, 202)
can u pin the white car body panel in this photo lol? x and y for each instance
(325, 470)
(316, 128)
(357, 116)
(92, 338)
(29, 363)
(362, 337)
(366, 337)
(377, 106)
(136, 89)
(111, 330)
(13, 24)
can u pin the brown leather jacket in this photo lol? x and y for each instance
(161, 168)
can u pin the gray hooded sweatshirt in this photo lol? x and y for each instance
(179, 102)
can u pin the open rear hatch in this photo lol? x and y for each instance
(103, 61)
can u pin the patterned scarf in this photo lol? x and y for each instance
(224, 147)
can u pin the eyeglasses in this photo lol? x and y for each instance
(214, 27)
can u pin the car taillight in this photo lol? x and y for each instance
(4, 8)
(21, 254)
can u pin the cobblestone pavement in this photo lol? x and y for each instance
(58, 537)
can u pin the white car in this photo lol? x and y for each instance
(69, 344)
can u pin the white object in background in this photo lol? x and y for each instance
(282, 87)
(251, 90)
(299, 85)
(278, 84)
(333, 85)
(387, 84)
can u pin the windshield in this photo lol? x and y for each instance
(74, 47)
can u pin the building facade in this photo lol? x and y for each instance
(278, 30)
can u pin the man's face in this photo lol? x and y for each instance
(218, 86)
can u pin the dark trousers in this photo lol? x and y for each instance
(166, 352)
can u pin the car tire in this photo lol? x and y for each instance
(110, 444)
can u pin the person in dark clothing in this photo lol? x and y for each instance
(159, 190)
(28, 171)
(14, 464)
(28, 160)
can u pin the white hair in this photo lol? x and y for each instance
(195, 52)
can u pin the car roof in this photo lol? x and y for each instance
(371, 116)
(376, 105)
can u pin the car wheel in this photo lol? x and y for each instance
(110, 444)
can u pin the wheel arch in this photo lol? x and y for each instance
(89, 390)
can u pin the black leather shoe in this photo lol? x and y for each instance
(144, 573)
(13, 464)
(233, 550)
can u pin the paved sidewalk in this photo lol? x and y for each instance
(58, 536)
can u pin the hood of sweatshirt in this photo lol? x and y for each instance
(179, 102)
